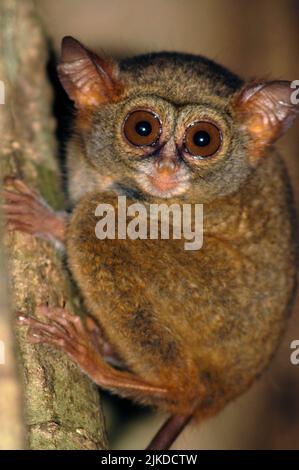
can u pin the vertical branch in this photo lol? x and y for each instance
(11, 429)
(62, 409)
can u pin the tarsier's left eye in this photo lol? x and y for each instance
(203, 139)
(142, 128)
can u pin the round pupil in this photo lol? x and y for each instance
(201, 138)
(143, 128)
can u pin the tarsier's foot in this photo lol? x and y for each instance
(67, 332)
(102, 345)
(28, 212)
(64, 331)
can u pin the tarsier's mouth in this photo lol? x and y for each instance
(164, 185)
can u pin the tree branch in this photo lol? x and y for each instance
(62, 409)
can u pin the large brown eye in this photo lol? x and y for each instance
(142, 128)
(203, 139)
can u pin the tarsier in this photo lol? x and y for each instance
(182, 331)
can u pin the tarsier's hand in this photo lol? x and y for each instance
(28, 212)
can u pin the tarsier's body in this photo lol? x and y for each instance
(199, 325)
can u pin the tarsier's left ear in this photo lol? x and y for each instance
(88, 79)
(266, 110)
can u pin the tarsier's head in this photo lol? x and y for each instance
(172, 125)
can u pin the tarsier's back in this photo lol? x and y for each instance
(203, 323)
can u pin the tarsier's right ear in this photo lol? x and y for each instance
(266, 110)
(88, 79)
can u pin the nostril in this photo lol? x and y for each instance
(166, 165)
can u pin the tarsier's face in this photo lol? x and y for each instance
(170, 148)
(173, 125)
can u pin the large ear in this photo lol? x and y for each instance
(88, 79)
(266, 110)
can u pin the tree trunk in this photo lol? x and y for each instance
(62, 409)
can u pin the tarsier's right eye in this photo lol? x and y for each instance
(142, 128)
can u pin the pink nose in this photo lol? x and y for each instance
(165, 166)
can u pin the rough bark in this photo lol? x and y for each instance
(11, 429)
(62, 409)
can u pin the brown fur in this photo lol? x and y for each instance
(203, 323)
